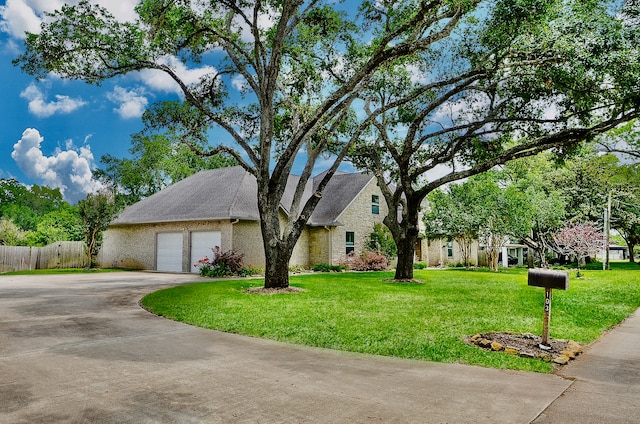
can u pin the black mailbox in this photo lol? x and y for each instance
(549, 278)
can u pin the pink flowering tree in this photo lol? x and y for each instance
(578, 241)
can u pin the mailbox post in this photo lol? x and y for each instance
(549, 280)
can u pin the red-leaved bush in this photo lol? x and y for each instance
(367, 261)
(224, 263)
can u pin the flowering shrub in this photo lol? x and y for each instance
(578, 241)
(367, 261)
(223, 264)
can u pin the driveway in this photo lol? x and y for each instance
(77, 348)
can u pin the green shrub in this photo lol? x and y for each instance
(593, 266)
(381, 240)
(249, 270)
(323, 267)
(419, 265)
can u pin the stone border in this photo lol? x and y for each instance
(563, 350)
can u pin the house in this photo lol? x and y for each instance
(443, 252)
(174, 228)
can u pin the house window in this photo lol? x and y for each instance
(350, 241)
(450, 249)
(375, 204)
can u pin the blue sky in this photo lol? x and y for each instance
(54, 132)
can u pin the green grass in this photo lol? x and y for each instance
(360, 312)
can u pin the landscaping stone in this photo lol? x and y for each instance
(527, 345)
(545, 356)
(484, 343)
(575, 347)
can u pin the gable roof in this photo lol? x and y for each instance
(231, 193)
(339, 193)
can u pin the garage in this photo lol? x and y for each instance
(201, 244)
(169, 252)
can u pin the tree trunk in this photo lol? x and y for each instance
(631, 247)
(278, 247)
(405, 234)
(276, 253)
(406, 251)
(276, 270)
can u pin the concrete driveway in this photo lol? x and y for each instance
(79, 349)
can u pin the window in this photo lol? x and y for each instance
(375, 204)
(450, 249)
(350, 241)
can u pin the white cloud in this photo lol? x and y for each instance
(43, 109)
(18, 16)
(69, 170)
(239, 82)
(132, 102)
(417, 75)
(161, 81)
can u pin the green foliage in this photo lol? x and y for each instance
(156, 159)
(424, 84)
(11, 234)
(419, 265)
(359, 312)
(479, 209)
(97, 211)
(249, 271)
(381, 240)
(323, 267)
(38, 215)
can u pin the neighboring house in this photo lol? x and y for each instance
(616, 252)
(174, 228)
(442, 252)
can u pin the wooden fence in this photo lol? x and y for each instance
(65, 254)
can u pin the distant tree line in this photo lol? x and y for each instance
(540, 201)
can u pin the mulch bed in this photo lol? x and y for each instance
(272, 291)
(526, 345)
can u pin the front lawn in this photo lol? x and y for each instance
(360, 312)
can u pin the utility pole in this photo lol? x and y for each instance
(607, 229)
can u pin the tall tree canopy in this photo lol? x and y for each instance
(466, 83)
(517, 78)
(301, 65)
(157, 160)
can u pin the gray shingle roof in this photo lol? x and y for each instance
(341, 190)
(231, 193)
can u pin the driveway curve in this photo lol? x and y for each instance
(78, 348)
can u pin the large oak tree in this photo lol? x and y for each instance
(519, 77)
(301, 64)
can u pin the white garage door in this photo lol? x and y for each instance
(201, 244)
(169, 252)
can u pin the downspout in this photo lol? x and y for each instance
(235, 221)
(330, 240)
